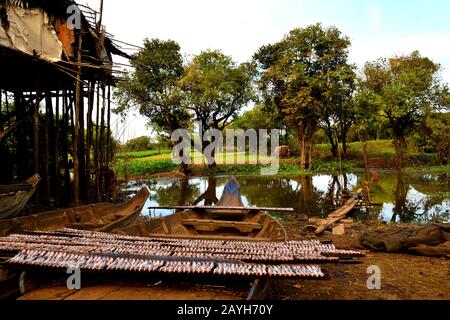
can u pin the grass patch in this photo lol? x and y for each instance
(143, 168)
(428, 169)
(320, 166)
(140, 154)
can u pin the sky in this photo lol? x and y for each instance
(376, 28)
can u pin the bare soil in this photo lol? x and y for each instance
(403, 277)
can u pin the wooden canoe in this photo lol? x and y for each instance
(217, 223)
(214, 224)
(104, 217)
(13, 198)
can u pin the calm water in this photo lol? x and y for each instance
(408, 199)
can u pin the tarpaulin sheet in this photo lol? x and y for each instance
(30, 32)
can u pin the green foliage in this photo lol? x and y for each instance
(139, 144)
(140, 154)
(332, 166)
(215, 88)
(434, 136)
(153, 86)
(403, 90)
(302, 75)
(255, 118)
(144, 168)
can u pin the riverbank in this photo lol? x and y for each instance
(381, 156)
(155, 170)
(403, 277)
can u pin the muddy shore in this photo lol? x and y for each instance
(403, 277)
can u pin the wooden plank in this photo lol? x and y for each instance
(213, 225)
(339, 214)
(222, 223)
(223, 208)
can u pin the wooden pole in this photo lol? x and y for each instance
(76, 160)
(89, 133)
(65, 147)
(96, 149)
(108, 136)
(48, 105)
(100, 20)
(56, 155)
(36, 139)
(82, 150)
(102, 140)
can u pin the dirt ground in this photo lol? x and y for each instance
(403, 277)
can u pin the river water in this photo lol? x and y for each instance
(416, 198)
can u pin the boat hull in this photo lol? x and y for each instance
(104, 217)
(14, 198)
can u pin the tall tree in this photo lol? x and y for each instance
(299, 77)
(338, 113)
(152, 87)
(405, 89)
(215, 90)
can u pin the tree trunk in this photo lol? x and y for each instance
(400, 147)
(366, 160)
(305, 145)
(333, 143)
(344, 132)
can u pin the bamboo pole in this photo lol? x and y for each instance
(48, 105)
(102, 141)
(81, 149)
(76, 160)
(89, 132)
(65, 133)
(56, 155)
(36, 139)
(96, 149)
(108, 137)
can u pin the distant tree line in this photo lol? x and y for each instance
(302, 84)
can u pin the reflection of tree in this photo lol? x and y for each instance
(307, 203)
(404, 208)
(210, 195)
(432, 210)
(179, 192)
(264, 192)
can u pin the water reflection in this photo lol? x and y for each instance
(401, 198)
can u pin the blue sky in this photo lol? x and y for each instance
(239, 27)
